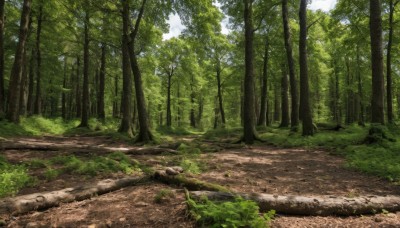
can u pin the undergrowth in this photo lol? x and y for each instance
(112, 163)
(12, 178)
(239, 213)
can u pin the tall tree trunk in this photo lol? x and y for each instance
(277, 102)
(361, 119)
(169, 117)
(85, 86)
(102, 78)
(63, 95)
(285, 98)
(2, 92)
(192, 104)
(178, 117)
(38, 99)
(220, 100)
(377, 107)
(308, 127)
(24, 84)
(249, 130)
(289, 54)
(15, 78)
(115, 103)
(262, 119)
(31, 82)
(389, 98)
(144, 129)
(78, 96)
(126, 101)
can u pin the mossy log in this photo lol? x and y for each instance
(311, 205)
(191, 184)
(40, 201)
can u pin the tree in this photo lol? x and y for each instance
(249, 131)
(85, 86)
(38, 100)
(289, 54)
(2, 93)
(377, 107)
(15, 78)
(285, 98)
(389, 96)
(306, 116)
(145, 134)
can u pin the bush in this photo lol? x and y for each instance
(239, 213)
(12, 178)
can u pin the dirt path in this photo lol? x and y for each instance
(261, 169)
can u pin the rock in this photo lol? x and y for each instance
(378, 219)
(122, 219)
(171, 171)
(178, 169)
(142, 204)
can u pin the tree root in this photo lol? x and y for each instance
(318, 205)
(41, 201)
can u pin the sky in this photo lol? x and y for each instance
(176, 25)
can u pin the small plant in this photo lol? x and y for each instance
(190, 166)
(12, 178)
(239, 213)
(51, 174)
(164, 195)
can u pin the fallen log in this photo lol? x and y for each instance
(191, 184)
(151, 151)
(307, 205)
(41, 201)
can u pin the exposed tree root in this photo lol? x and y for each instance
(41, 201)
(191, 184)
(318, 205)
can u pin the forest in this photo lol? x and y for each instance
(256, 113)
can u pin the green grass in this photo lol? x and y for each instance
(239, 213)
(13, 178)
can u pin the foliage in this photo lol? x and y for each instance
(12, 178)
(239, 213)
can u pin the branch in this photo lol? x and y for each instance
(138, 20)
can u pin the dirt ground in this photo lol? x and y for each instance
(259, 169)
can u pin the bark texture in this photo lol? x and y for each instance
(41, 201)
(306, 205)
(306, 116)
(2, 92)
(377, 104)
(289, 55)
(15, 78)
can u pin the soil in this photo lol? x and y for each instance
(260, 169)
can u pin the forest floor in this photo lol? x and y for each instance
(258, 169)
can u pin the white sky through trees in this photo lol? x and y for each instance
(176, 26)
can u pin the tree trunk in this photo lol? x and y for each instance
(305, 205)
(44, 200)
(377, 107)
(289, 54)
(24, 83)
(262, 119)
(277, 103)
(220, 100)
(361, 119)
(15, 78)
(85, 87)
(2, 92)
(78, 100)
(63, 95)
(31, 83)
(169, 117)
(192, 104)
(38, 100)
(115, 103)
(389, 96)
(285, 99)
(102, 78)
(126, 101)
(306, 116)
(248, 122)
(144, 130)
